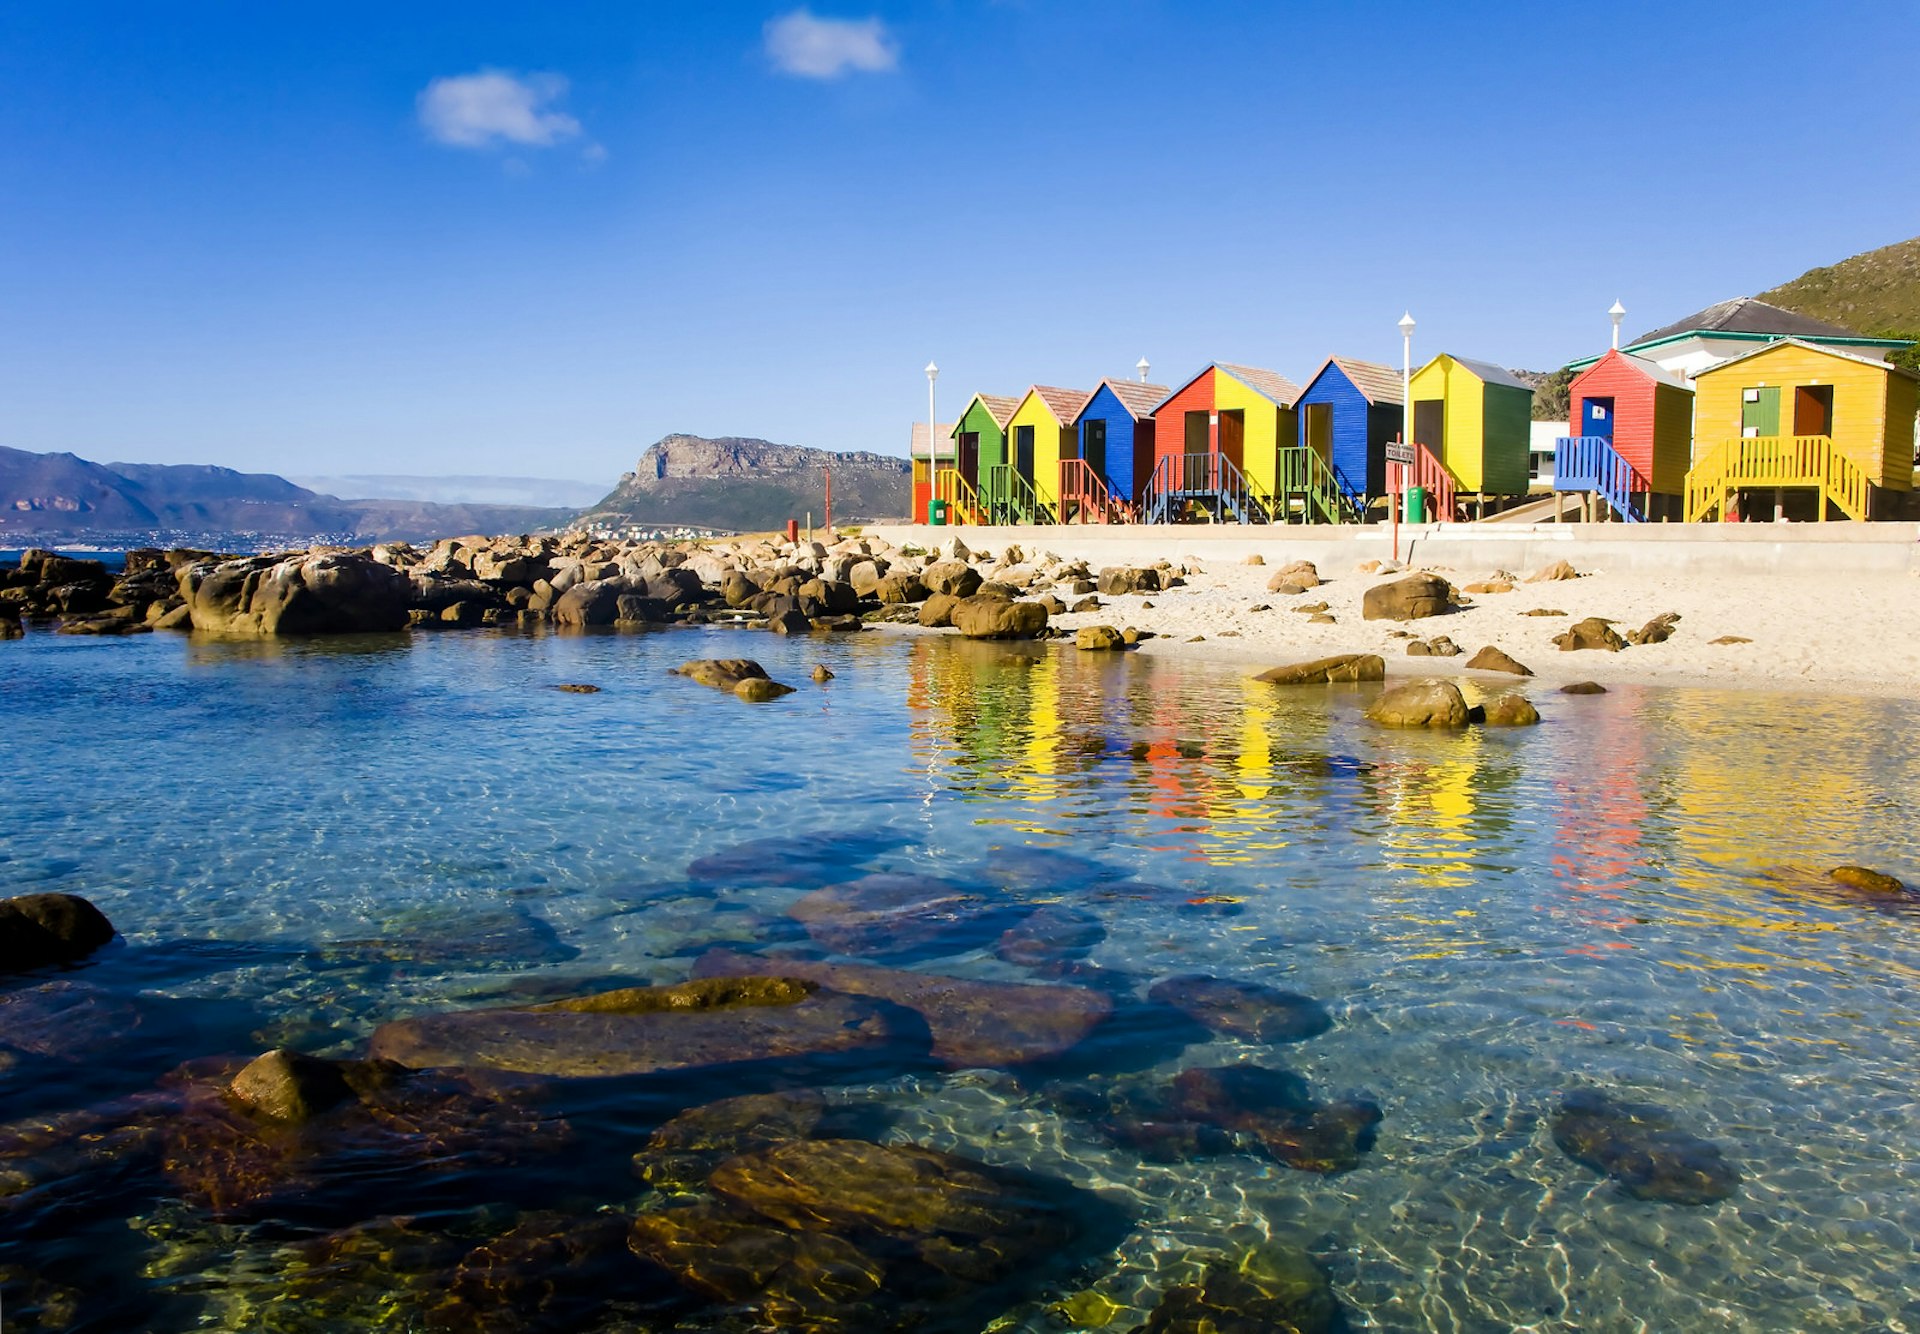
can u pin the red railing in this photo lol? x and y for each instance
(1428, 473)
(1085, 496)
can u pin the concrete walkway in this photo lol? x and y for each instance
(1708, 548)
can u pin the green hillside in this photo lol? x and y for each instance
(1877, 293)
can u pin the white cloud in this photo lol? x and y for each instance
(494, 107)
(809, 47)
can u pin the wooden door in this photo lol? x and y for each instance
(1430, 425)
(1320, 430)
(1760, 411)
(1813, 409)
(968, 456)
(1596, 417)
(1233, 437)
(1023, 451)
(1093, 444)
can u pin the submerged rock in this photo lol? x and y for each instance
(1583, 688)
(685, 1150)
(1343, 667)
(1024, 869)
(799, 861)
(39, 930)
(1507, 711)
(644, 1030)
(1244, 1009)
(740, 676)
(1050, 935)
(971, 1023)
(1274, 1109)
(1271, 1291)
(290, 1086)
(1639, 1146)
(1866, 881)
(1420, 704)
(901, 916)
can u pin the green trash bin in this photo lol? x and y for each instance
(1416, 504)
(937, 513)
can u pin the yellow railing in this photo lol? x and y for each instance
(963, 502)
(1776, 461)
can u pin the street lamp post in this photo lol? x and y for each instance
(1616, 313)
(1141, 366)
(933, 432)
(1406, 423)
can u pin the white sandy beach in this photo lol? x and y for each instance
(1857, 631)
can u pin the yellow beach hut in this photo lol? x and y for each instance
(1796, 430)
(1040, 433)
(1477, 420)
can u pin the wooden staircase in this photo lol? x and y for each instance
(1010, 498)
(1085, 496)
(963, 502)
(1429, 473)
(1309, 488)
(1207, 482)
(1591, 463)
(1769, 461)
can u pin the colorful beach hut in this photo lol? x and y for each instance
(1349, 411)
(1795, 429)
(1476, 419)
(1226, 444)
(932, 453)
(1629, 437)
(1039, 435)
(979, 443)
(1116, 445)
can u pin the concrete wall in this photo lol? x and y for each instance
(1705, 548)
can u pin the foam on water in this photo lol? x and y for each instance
(307, 840)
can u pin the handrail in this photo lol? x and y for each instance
(1301, 471)
(1209, 478)
(1012, 499)
(1085, 496)
(1431, 475)
(1591, 463)
(1777, 461)
(963, 502)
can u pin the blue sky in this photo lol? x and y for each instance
(525, 239)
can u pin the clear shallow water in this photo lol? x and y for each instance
(300, 842)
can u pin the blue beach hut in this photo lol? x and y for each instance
(1116, 435)
(1349, 410)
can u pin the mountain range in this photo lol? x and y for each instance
(61, 497)
(747, 485)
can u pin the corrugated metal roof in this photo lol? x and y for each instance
(1841, 353)
(1491, 373)
(1138, 399)
(1270, 383)
(917, 447)
(1746, 314)
(1064, 404)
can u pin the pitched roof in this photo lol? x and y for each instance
(1376, 383)
(1489, 372)
(1270, 383)
(1778, 343)
(1138, 399)
(1748, 315)
(1064, 404)
(998, 406)
(917, 447)
(1653, 370)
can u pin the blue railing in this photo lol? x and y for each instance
(1591, 463)
(1210, 481)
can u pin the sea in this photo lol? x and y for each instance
(301, 841)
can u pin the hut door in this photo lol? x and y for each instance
(1094, 448)
(1233, 437)
(1430, 426)
(1760, 411)
(1813, 409)
(1023, 451)
(1320, 430)
(1596, 418)
(968, 461)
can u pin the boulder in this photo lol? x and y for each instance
(713, 1021)
(509, 567)
(1640, 1147)
(1592, 633)
(972, 1023)
(10, 627)
(740, 676)
(1118, 579)
(1272, 1291)
(997, 618)
(1583, 688)
(1247, 1010)
(1086, 604)
(589, 602)
(1491, 659)
(759, 690)
(937, 611)
(676, 586)
(822, 673)
(1098, 639)
(1507, 711)
(1052, 934)
(1440, 646)
(1866, 881)
(633, 609)
(901, 587)
(1408, 599)
(40, 930)
(1552, 572)
(1656, 631)
(951, 577)
(1420, 704)
(1342, 667)
(789, 620)
(289, 1086)
(1298, 577)
(328, 593)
